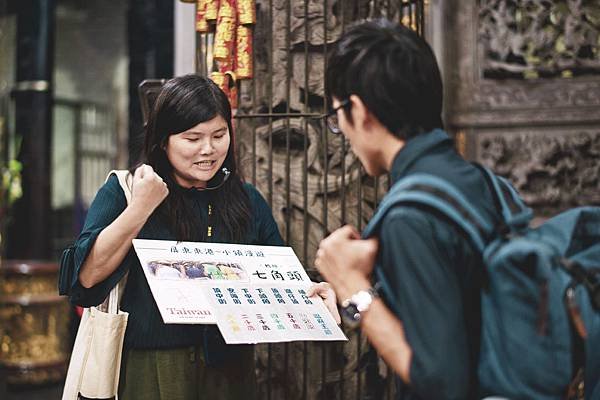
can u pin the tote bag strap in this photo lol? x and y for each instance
(113, 301)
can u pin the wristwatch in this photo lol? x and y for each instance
(358, 303)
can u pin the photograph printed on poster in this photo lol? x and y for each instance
(202, 270)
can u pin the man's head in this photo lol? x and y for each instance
(391, 72)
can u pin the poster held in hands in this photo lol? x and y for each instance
(255, 294)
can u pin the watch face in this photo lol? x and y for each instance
(351, 315)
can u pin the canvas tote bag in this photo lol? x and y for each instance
(96, 358)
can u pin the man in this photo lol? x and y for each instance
(386, 93)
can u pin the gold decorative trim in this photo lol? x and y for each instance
(460, 141)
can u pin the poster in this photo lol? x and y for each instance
(255, 294)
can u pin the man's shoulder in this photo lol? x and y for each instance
(463, 179)
(415, 223)
(413, 220)
(413, 217)
(401, 213)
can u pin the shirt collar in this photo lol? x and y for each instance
(192, 192)
(414, 148)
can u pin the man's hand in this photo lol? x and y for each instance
(346, 261)
(325, 291)
(148, 190)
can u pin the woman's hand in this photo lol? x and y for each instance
(325, 291)
(148, 191)
(110, 248)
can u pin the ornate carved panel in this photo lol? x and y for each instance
(467, 55)
(539, 38)
(552, 168)
(523, 85)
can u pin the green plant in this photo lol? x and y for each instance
(10, 191)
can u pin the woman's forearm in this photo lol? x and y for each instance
(111, 247)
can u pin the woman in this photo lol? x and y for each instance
(186, 189)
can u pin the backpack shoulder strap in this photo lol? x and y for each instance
(515, 214)
(435, 193)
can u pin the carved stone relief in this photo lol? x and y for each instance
(539, 38)
(474, 37)
(513, 94)
(523, 84)
(552, 169)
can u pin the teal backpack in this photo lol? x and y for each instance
(540, 303)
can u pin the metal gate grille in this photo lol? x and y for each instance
(310, 177)
(84, 150)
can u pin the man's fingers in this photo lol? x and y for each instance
(353, 232)
(347, 231)
(371, 244)
(339, 238)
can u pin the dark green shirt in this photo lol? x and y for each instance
(145, 328)
(435, 274)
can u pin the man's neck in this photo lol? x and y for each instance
(391, 145)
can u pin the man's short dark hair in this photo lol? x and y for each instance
(393, 71)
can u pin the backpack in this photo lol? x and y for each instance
(540, 301)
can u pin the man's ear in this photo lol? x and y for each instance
(361, 116)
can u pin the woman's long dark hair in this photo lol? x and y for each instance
(183, 103)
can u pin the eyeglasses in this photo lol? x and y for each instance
(332, 118)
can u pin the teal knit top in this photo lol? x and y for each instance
(145, 328)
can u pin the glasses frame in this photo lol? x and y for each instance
(332, 126)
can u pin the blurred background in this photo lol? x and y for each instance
(77, 78)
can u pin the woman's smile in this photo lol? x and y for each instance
(206, 165)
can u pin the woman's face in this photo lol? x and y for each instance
(198, 153)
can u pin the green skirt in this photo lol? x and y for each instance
(181, 374)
